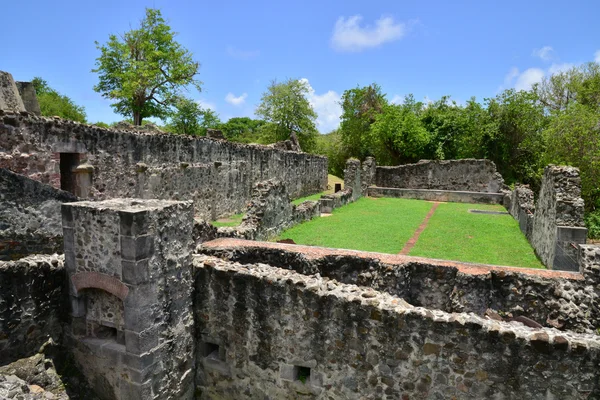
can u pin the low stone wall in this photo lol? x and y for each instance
(558, 225)
(265, 332)
(521, 206)
(437, 195)
(30, 221)
(468, 175)
(33, 305)
(562, 300)
(125, 163)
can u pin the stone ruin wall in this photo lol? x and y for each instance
(30, 221)
(554, 225)
(323, 323)
(283, 335)
(166, 166)
(553, 299)
(33, 305)
(457, 175)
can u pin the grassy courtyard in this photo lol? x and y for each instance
(452, 233)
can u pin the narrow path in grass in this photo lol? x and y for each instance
(413, 240)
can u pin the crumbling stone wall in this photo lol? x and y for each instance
(459, 175)
(29, 97)
(30, 220)
(32, 146)
(280, 334)
(33, 306)
(9, 94)
(521, 206)
(562, 300)
(137, 253)
(352, 178)
(558, 224)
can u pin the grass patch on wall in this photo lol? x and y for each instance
(234, 220)
(381, 225)
(453, 233)
(331, 181)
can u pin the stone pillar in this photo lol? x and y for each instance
(10, 100)
(558, 226)
(352, 178)
(369, 168)
(130, 280)
(83, 180)
(29, 97)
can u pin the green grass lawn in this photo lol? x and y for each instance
(453, 233)
(381, 225)
(234, 220)
(331, 181)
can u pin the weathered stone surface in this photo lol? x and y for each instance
(454, 196)
(10, 100)
(352, 178)
(554, 299)
(30, 221)
(354, 342)
(559, 204)
(463, 175)
(29, 97)
(218, 175)
(33, 305)
(129, 260)
(215, 134)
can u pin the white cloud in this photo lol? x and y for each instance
(206, 104)
(597, 56)
(242, 54)
(327, 106)
(397, 99)
(522, 80)
(350, 36)
(556, 68)
(546, 53)
(236, 101)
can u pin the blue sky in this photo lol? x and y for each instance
(430, 49)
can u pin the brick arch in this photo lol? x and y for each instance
(97, 280)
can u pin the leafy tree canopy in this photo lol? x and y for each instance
(285, 105)
(53, 103)
(144, 69)
(191, 119)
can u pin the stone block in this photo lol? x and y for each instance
(135, 391)
(137, 248)
(138, 343)
(135, 272)
(139, 361)
(134, 223)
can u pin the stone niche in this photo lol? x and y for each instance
(129, 268)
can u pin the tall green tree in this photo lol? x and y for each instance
(191, 119)
(514, 140)
(243, 129)
(286, 106)
(400, 133)
(53, 103)
(144, 69)
(360, 107)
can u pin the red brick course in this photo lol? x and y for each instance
(96, 280)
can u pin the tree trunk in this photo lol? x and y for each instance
(137, 118)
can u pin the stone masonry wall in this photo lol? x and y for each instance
(558, 224)
(131, 258)
(30, 220)
(265, 332)
(31, 146)
(561, 300)
(461, 175)
(33, 305)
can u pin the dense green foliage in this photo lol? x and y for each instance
(144, 69)
(285, 105)
(557, 121)
(53, 103)
(189, 118)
